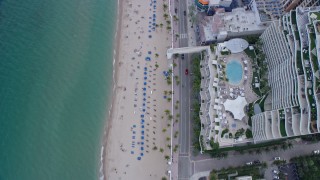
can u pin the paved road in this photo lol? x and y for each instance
(184, 169)
(239, 160)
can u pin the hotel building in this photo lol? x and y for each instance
(292, 48)
(268, 10)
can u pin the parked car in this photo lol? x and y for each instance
(186, 72)
(275, 171)
(277, 158)
(249, 163)
(182, 56)
(316, 152)
(276, 177)
(184, 13)
(256, 162)
(175, 10)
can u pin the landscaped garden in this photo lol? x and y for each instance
(256, 171)
(308, 166)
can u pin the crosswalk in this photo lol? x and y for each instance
(183, 36)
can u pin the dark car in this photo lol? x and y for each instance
(186, 72)
(175, 10)
(182, 56)
(184, 13)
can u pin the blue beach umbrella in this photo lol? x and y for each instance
(142, 115)
(144, 99)
(145, 83)
(150, 36)
(149, 30)
(144, 104)
(134, 125)
(141, 148)
(142, 137)
(141, 154)
(142, 126)
(143, 110)
(142, 132)
(145, 77)
(142, 143)
(145, 73)
(142, 120)
(132, 152)
(149, 52)
(139, 158)
(145, 68)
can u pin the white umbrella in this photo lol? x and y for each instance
(231, 89)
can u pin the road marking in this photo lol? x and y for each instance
(183, 36)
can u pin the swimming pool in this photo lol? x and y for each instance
(234, 72)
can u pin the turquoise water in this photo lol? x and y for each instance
(234, 72)
(55, 75)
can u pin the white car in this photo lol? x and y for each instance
(249, 163)
(275, 171)
(277, 158)
(276, 177)
(316, 152)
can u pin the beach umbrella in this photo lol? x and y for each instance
(142, 132)
(132, 151)
(145, 68)
(145, 73)
(142, 115)
(144, 94)
(142, 126)
(148, 58)
(139, 158)
(150, 36)
(144, 99)
(141, 148)
(145, 77)
(142, 143)
(149, 30)
(141, 154)
(145, 83)
(142, 137)
(144, 110)
(154, 15)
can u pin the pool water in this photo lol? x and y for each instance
(234, 72)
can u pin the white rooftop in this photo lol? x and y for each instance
(236, 107)
(236, 45)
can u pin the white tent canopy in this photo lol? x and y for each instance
(236, 106)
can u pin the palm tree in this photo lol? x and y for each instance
(167, 111)
(168, 28)
(165, 7)
(166, 157)
(169, 146)
(155, 148)
(275, 148)
(161, 25)
(290, 145)
(163, 178)
(168, 138)
(164, 130)
(165, 15)
(156, 55)
(284, 146)
(168, 22)
(258, 151)
(157, 66)
(168, 99)
(176, 134)
(161, 150)
(165, 93)
(267, 149)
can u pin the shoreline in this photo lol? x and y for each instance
(113, 93)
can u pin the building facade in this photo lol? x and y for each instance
(269, 10)
(292, 49)
(206, 5)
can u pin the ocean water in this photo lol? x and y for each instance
(55, 80)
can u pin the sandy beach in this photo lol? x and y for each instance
(138, 138)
